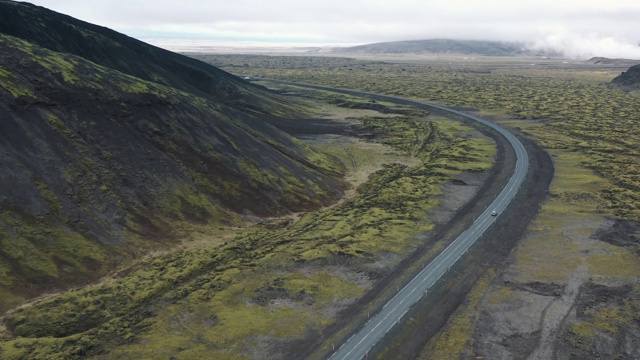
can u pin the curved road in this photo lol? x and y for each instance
(359, 345)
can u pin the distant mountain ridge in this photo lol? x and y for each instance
(108, 142)
(609, 61)
(440, 46)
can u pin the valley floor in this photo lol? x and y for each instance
(570, 289)
(559, 278)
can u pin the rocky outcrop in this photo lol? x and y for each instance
(628, 80)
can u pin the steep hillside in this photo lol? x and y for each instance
(98, 165)
(628, 80)
(103, 46)
(439, 46)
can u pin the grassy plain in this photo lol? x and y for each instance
(578, 111)
(590, 220)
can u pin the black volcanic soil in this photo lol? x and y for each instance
(309, 126)
(621, 233)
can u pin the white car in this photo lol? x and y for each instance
(494, 213)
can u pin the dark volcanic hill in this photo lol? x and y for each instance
(106, 143)
(628, 80)
(103, 46)
(439, 47)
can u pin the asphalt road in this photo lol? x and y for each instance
(359, 345)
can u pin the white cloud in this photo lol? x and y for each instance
(609, 27)
(587, 46)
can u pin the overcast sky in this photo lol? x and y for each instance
(582, 28)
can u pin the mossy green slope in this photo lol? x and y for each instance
(98, 166)
(103, 46)
(274, 284)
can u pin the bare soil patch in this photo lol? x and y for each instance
(620, 233)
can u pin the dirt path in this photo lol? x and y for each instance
(555, 313)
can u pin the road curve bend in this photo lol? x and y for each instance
(367, 336)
